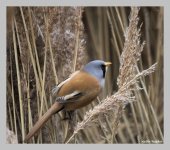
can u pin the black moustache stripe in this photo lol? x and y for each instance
(104, 70)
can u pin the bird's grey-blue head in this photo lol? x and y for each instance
(97, 68)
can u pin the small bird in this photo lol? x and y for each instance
(81, 88)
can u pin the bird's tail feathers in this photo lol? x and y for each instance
(56, 107)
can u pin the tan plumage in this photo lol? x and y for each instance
(75, 92)
(77, 83)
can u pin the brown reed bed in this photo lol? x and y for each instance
(46, 44)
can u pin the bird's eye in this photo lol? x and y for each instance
(103, 69)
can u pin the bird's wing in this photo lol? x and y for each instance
(70, 97)
(56, 89)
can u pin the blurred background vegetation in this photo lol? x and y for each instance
(46, 44)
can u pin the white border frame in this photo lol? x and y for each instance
(5, 3)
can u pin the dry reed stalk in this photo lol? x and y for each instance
(19, 84)
(127, 78)
(115, 102)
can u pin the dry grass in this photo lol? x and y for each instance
(127, 79)
(47, 44)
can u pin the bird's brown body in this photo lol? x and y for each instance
(82, 82)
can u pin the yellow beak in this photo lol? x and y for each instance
(107, 63)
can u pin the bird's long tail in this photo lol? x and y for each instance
(56, 107)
